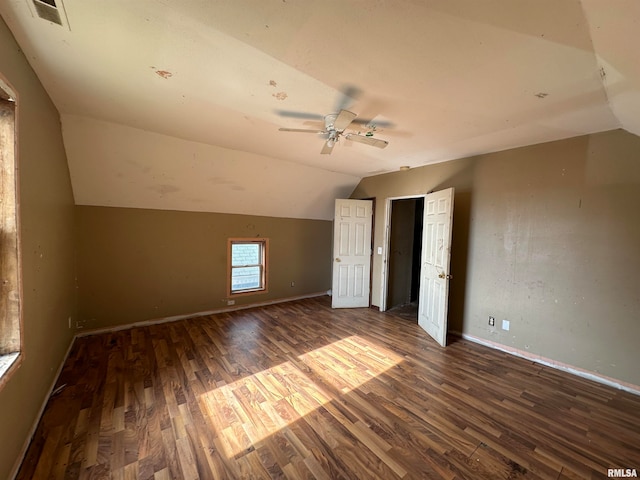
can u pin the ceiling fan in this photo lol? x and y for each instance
(334, 128)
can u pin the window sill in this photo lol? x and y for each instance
(6, 361)
(247, 292)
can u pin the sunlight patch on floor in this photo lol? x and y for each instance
(260, 405)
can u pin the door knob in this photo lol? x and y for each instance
(338, 259)
(448, 277)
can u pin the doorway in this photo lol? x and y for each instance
(403, 256)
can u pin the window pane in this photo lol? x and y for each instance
(247, 265)
(245, 278)
(245, 254)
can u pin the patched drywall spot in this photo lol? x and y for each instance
(165, 189)
(162, 73)
(603, 74)
(220, 181)
(138, 166)
(280, 95)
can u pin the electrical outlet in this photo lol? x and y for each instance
(293, 284)
(231, 302)
(492, 321)
(505, 325)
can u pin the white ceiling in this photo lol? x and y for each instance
(177, 104)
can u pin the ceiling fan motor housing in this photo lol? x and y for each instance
(329, 121)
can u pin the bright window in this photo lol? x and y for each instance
(247, 265)
(10, 334)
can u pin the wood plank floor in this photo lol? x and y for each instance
(299, 390)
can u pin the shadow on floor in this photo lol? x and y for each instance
(408, 311)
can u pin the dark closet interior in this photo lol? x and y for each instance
(405, 247)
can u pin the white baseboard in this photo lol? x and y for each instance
(157, 321)
(612, 382)
(32, 431)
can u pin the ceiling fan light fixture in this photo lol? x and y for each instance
(329, 120)
(335, 127)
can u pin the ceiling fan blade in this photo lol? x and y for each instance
(301, 130)
(349, 94)
(302, 115)
(373, 121)
(327, 149)
(345, 117)
(374, 142)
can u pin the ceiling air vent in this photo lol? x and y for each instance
(48, 10)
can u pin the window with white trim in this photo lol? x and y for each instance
(247, 272)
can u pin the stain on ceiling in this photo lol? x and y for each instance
(178, 105)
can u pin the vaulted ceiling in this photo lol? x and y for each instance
(178, 104)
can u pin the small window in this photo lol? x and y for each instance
(247, 265)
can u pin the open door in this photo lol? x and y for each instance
(351, 253)
(434, 273)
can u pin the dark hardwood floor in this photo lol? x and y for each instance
(299, 390)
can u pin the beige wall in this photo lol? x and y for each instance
(547, 237)
(137, 264)
(46, 203)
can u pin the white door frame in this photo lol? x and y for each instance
(386, 247)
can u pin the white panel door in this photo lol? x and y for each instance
(434, 272)
(351, 253)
